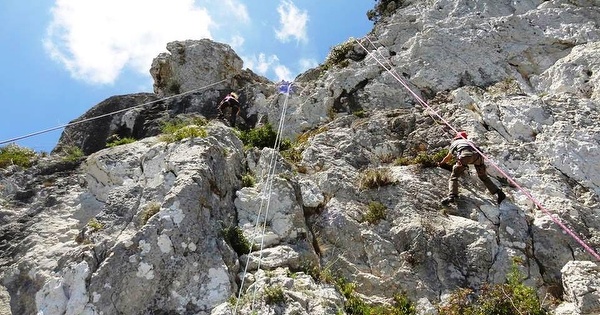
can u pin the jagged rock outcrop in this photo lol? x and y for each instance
(127, 247)
(191, 65)
(90, 131)
(139, 228)
(198, 65)
(580, 280)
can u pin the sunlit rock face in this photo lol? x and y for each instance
(155, 227)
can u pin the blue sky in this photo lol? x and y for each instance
(62, 57)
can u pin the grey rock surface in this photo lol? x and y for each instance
(147, 219)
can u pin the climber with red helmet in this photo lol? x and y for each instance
(465, 154)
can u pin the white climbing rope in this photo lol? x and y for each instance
(266, 195)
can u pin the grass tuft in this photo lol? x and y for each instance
(13, 154)
(376, 212)
(248, 180)
(375, 178)
(262, 137)
(424, 159)
(179, 129)
(149, 210)
(274, 295)
(120, 141)
(512, 297)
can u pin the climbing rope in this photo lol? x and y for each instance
(399, 77)
(554, 218)
(270, 177)
(108, 114)
(267, 192)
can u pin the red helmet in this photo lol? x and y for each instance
(461, 135)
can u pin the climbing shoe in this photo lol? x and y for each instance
(501, 196)
(448, 200)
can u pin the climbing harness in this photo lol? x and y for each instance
(553, 217)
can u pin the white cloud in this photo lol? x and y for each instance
(283, 73)
(306, 64)
(97, 39)
(292, 22)
(268, 66)
(236, 42)
(261, 63)
(238, 10)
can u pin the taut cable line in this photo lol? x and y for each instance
(107, 114)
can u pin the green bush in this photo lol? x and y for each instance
(375, 178)
(262, 137)
(356, 306)
(13, 154)
(95, 225)
(248, 180)
(403, 161)
(285, 144)
(383, 8)
(360, 114)
(403, 305)
(174, 87)
(71, 153)
(338, 55)
(120, 142)
(180, 129)
(353, 303)
(274, 295)
(439, 156)
(423, 159)
(293, 155)
(512, 297)
(236, 239)
(376, 212)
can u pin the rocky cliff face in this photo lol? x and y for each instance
(145, 228)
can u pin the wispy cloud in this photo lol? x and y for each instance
(292, 22)
(283, 73)
(237, 10)
(269, 66)
(96, 39)
(236, 42)
(261, 63)
(306, 63)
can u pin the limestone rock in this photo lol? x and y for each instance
(279, 293)
(147, 219)
(576, 74)
(193, 64)
(581, 280)
(90, 131)
(126, 248)
(188, 76)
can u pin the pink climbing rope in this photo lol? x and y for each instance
(554, 218)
